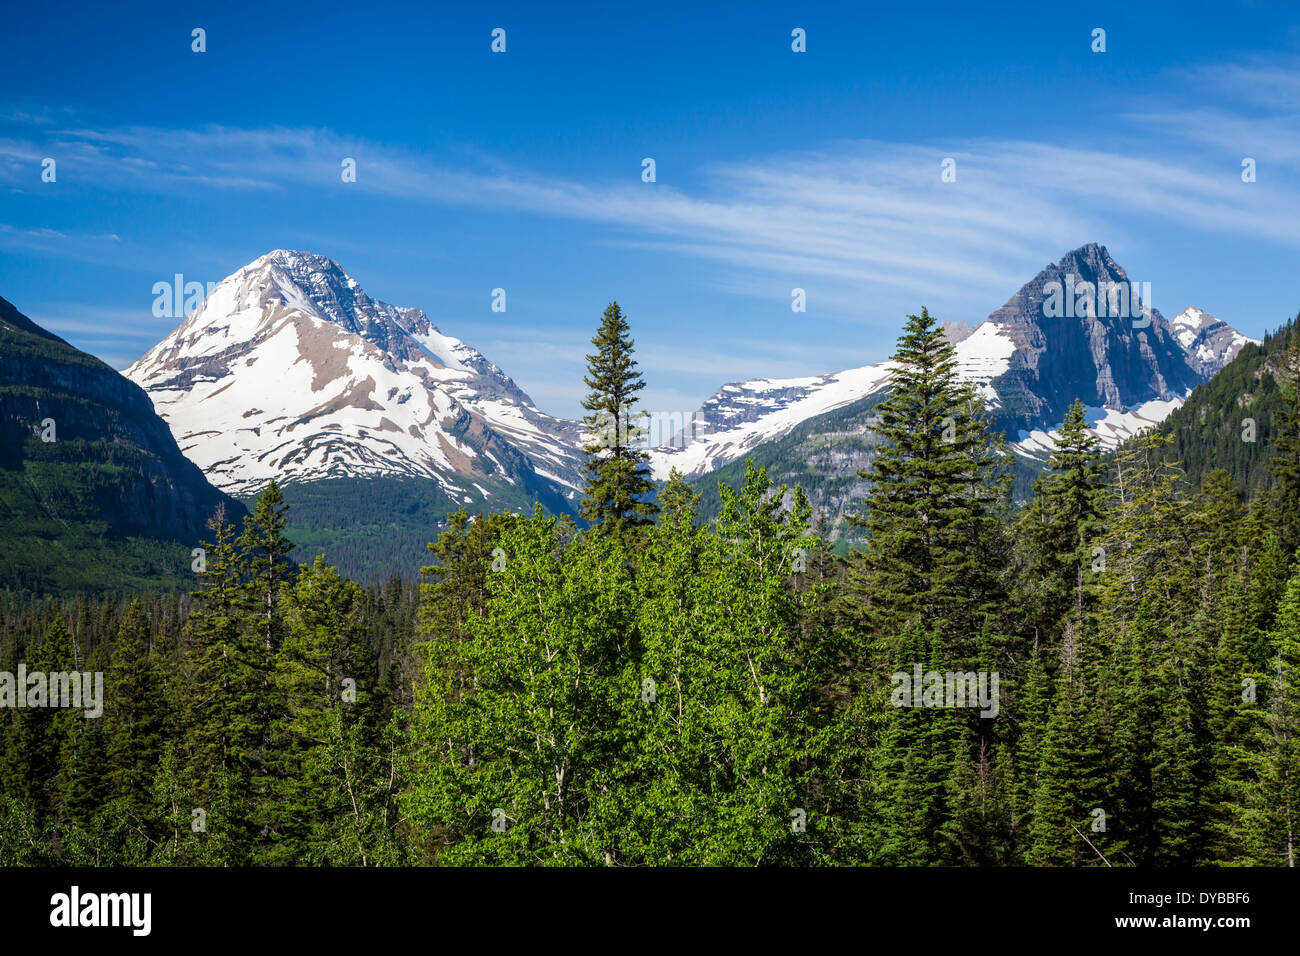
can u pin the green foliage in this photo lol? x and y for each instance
(930, 512)
(212, 748)
(1056, 528)
(818, 455)
(374, 528)
(519, 721)
(109, 503)
(1284, 466)
(596, 719)
(134, 704)
(333, 789)
(50, 543)
(713, 687)
(1264, 792)
(617, 497)
(1208, 429)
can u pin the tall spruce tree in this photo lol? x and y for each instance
(51, 733)
(915, 765)
(265, 552)
(934, 483)
(1156, 786)
(1058, 524)
(1148, 546)
(266, 555)
(617, 493)
(134, 706)
(329, 790)
(226, 672)
(1233, 687)
(89, 787)
(1266, 805)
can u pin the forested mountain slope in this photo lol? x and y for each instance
(94, 492)
(1230, 421)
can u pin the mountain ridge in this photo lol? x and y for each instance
(94, 490)
(289, 369)
(351, 385)
(1013, 359)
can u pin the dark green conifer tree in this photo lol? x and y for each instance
(1285, 464)
(1159, 820)
(617, 495)
(134, 715)
(916, 775)
(1266, 805)
(226, 670)
(89, 787)
(1059, 524)
(266, 559)
(329, 799)
(934, 483)
(51, 733)
(1234, 690)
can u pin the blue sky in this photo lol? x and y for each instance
(775, 170)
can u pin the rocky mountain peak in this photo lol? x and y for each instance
(289, 369)
(1210, 342)
(1083, 329)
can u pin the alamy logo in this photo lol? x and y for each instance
(102, 909)
(946, 689)
(1075, 298)
(645, 430)
(55, 689)
(178, 298)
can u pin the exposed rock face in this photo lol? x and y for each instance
(1076, 345)
(1209, 342)
(113, 462)
(1078, 329)
(955, 330)
(744, 415)
(289, 369)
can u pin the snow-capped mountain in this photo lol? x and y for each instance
(1029, 359)
(289, 369)
(743, 415)
(1208, 340)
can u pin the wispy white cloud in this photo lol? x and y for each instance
(75, 244)
(105, 323)
(858, 213)
(1242, 109)
(848, 221)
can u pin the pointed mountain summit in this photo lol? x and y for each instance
(1079, 329)
(1083, 330)
(1209, 342)
(288, 369)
